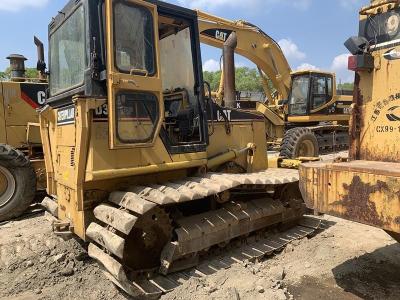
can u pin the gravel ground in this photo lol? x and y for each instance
(344, 261)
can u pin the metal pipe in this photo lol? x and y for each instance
(41, 64)
(227, 156)
(229, 70)
(17, 66)
(152, 169)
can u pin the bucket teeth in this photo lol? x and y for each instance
(107, 239)
(132, 202)
(120, 220)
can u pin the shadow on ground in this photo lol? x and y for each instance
(373, 275)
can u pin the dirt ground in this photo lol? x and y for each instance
(343, 261)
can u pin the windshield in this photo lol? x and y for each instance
(299, 95)
(67, 54)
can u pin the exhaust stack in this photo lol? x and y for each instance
(17, 65)
(229, 71)
(41, 63)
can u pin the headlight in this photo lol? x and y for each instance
(392, 25)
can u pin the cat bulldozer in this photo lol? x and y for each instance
(140, 162)
(22, 168)
(305, 113)
(366, 187)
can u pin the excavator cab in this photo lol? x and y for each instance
(309, 92)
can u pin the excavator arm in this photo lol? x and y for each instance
(255, 45)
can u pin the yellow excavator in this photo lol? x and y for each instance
(141, 162)
(366, 187)
(22, 169)
(305, 113)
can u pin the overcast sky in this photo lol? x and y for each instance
(311, 32)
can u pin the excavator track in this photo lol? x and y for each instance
(145, 244)
(331, 138)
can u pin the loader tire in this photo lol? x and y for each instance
(299, 142)
(17, 183)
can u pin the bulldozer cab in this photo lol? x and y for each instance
(144, 57)
(310, 92)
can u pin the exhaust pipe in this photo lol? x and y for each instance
(229, 71)
(41, 63)
(17, 66)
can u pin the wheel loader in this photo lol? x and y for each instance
(22, 170)
(140, 162)
(305, 113)
(366, 187)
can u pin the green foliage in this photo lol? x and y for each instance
(346, 86)
(247, 79)
(212, 78)
(30, 73)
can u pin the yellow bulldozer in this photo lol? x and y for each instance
(305, 113)
(22, 169)
(140, 161)
(366, 188)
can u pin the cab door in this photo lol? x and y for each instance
(134, 80)
(321, 93)
(3, 136)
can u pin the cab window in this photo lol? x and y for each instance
(137, 116)
(134, 39)
(298, 102)
(321, 91)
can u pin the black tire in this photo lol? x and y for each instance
(299, 142)
(18, 183)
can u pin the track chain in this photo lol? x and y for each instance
(117, 219)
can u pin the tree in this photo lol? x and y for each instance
(213, 79)
(247, 79)
(29, 73)
(348, 86)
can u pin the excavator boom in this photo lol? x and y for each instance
(316, 115)
(253, 44)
